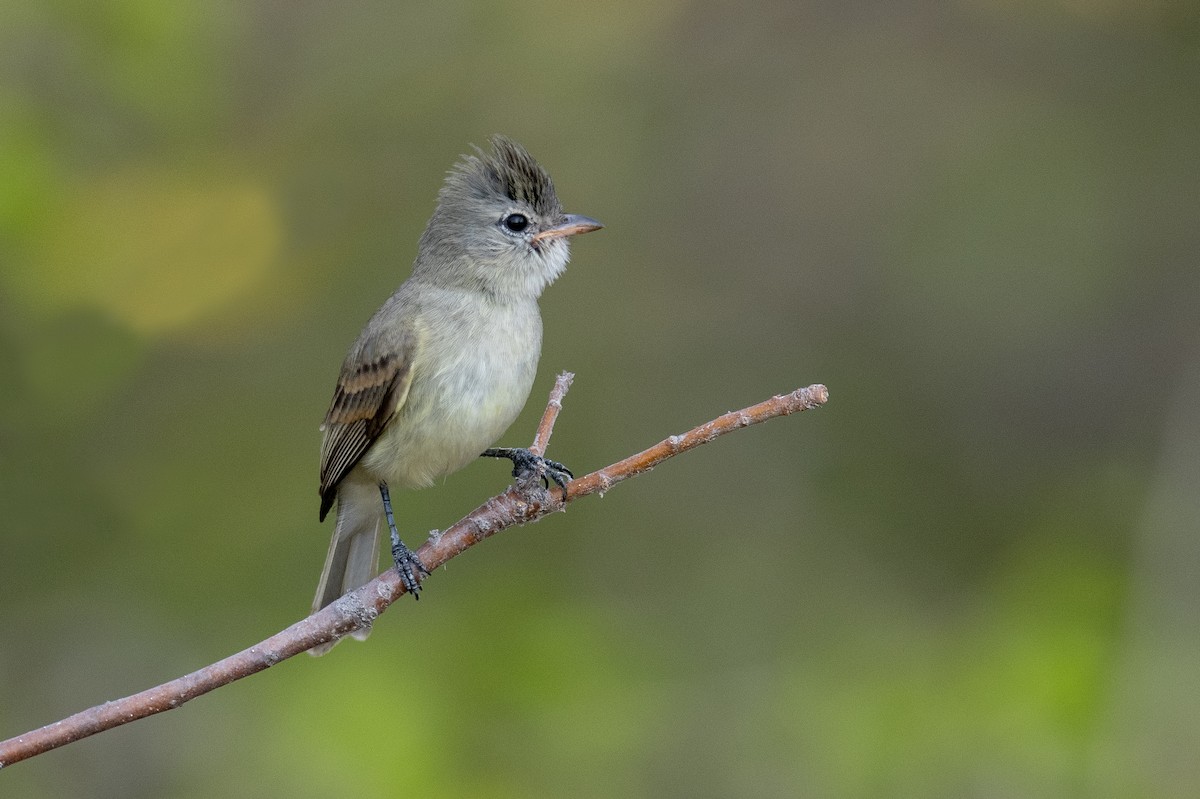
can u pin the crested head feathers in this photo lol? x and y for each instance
(510, 171)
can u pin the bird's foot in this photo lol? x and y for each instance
(407, 566)
(528, 466)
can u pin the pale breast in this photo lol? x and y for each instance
(470, 381)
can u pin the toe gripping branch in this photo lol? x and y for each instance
(527, 465)
(407, 564)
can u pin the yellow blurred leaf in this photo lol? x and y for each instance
(155, 249)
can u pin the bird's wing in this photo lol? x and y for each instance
(369, 393)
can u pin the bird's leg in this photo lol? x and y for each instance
(526, 464)
(407, 564)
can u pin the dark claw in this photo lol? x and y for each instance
(407, 566)
(526, 464)
(402, 556)
(557, 473)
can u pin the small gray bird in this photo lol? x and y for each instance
(445, 366)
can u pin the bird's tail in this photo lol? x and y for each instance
(353, 557)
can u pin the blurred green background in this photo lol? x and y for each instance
(975, 573)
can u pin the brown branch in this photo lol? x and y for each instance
(360, 607)
(541, 439)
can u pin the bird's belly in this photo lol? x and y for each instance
(456, 408)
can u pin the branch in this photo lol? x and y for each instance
(359, 608)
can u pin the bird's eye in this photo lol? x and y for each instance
(516, 222)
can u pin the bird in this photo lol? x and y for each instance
(446, 364)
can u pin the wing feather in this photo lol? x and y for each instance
(368, 395)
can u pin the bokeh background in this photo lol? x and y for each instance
(975, 573)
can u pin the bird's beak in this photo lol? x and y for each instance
(570, 226)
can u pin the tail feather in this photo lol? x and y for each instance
(353, 557)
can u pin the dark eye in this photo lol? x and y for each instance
(516, 222)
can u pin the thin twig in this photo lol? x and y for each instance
(541, 439)
(361, 607)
